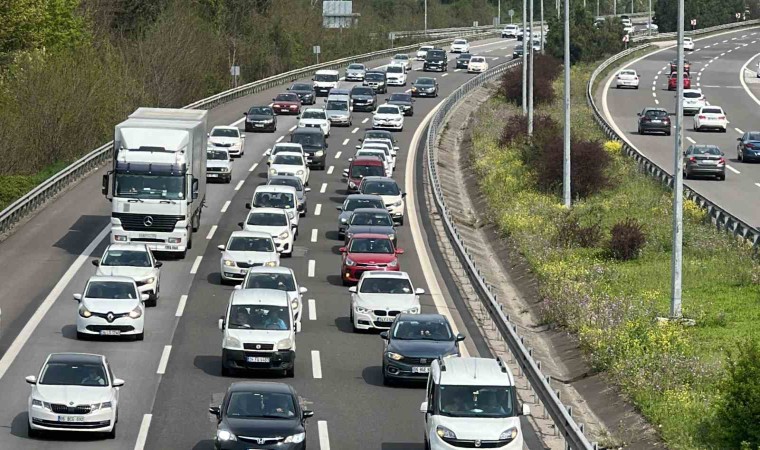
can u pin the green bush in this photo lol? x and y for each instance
(739, 410)
(587, 42)
(627, 238)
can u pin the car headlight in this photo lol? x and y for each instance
(444, 432)
(391, 236)
(84, 312)
(285, 344)
(135, 313)
(399, 203)
(232, 343)
(283, 235)
(273, 171)
(229, 262)
(224, 169)
(225, 435)
(300, 172)
(394, 356)
(296, 438)
(270, 264)
(343, 220)
(508, 434)
(268, 121)
(393, 264)
(40, 404)
(415, 310)
(105, 405)
(150, 280)
(319, 153)
(349, 236)
(294, 304)
(362, 310)
(350, 262)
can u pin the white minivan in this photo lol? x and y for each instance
(324, 80)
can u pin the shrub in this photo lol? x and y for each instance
(546, 70)
(627, 239)
(739, 412)
(571, 233)
(589, 162)
(514, 128)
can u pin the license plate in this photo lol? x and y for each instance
(259, 125)
(656, 121)
(147, 235)
(385, 319)
(257, 359)
(70, 419)
(171, 247)
(110, 332)
(213, 175)
(425, 369)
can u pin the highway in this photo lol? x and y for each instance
(173, 376)
(717, 66)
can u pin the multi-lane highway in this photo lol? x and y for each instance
(717, 66)
(174, 374)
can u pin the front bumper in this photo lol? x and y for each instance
(434, 67)
(97, 326)
(218, 176)
(352, 274)
(363, 106)
(313, 161)
(249, 444)
(99, 421)
(157, 242)
(627, 83)
(289, 110)
(437, 443)
(369, 321)
(462, 65)
(388, 125)
(396, 82)
(402, 370)
(260, 126)
(284, 245)
(419, 93)
(339, 120)
(396, 212)
(378, 87)
(240, 360)
(354, 77)
(476, 69)
(322, 90)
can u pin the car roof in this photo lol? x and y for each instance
(307, 130)
(75, 358)
(275, 269)
(385, 274)
(225, 127)
(470, 371)
(692, 90)
(326, 72)
(274, 188)
(135, 247)
(284, 177)
(653, 108)
(269, 211)
(313, 109)
(378, 178)
(370, 236)
(261, 386)
(287, 144)
(364, 196)
(259, 296)
(429, 317)
(299, 154)
(363, 160)
(104, 278)
(253, 234)
(371, 210)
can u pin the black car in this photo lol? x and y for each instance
(371, 220)
(305, 93)
(653, 120)
(363, 98)
(314, 145)
(749, 146)
(403, 101)
(260, 118)
(518, 52)
(414, 341)
(377, 80)
(463, 60)
(425, 87)
(260, 415)
(436, 60)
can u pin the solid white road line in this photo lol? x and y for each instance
(324, 437)
(691, 140)
(330, 170)
(279, 139)
(323, 189)
(164, 360)
(237, 122)
(312, 268)
(739, 131)
(316, 364)
(445, 74)
(239, 185)
(314, 234)
(34, 321)
(226, 205)
(312, 309)
(318, 209)
(196, 264)
(366, 119)
(181, 306)
(345, 141)
(744, 83)
(211, 232)
(732, 169)
(253, 167)
(142, 436)
(337, 154)
(757, 184)
(355, 130)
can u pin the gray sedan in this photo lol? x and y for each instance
(355, 72)
(371, 220)
(704, 160)
(353, 202)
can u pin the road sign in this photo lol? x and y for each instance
(694, 22)
(625, 38)
(235, 71)
(391, 36)
(511, 13)
(475, 24)
(317, 50)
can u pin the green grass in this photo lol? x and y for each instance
(671, 372)
(13, 187)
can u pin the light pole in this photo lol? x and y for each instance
(649, 25)
(677, 259)
(566, 138)
(597, 8)
(530, 75)
(499, 12)
(631, 6)
(614, 7)
(524, 61)
(542, 26)
(425, 17)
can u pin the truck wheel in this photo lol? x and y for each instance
(196, 221)
(189, 241)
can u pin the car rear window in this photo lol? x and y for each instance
(656, 113)
(712, 110)
(692, 95)
(436, 54)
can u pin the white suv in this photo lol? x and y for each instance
(472, 402)
(379, 297)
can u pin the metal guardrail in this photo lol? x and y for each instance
(51, 187)
(644, 36)
(720, 217)
(540, 383)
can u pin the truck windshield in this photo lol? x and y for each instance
(169, 187)
(476, 401)
(326, 78)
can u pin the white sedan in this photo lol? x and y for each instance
(314, 118)
(627, 78)
(290, 163)
(477, 64)
(283, 147)
(388, 117)
(460, 46)
(710, 117)
(390, 292)
(422, 52)
(229, 138)
(276, 222)
(246, 249)
(688, 44)
(402, 59)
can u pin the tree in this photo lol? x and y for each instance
(707, 12)
(587, 42)
(739, 412)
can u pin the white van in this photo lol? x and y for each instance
(324, 80)
(277, 196)
(472, 402)
(259, 332)
(338, 109)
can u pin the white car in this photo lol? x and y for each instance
(292, 164)
(246, 249)
(280, 278)
(460, 46)
(325, 80)
(627, 78)
(510, 31)
(375, 153)
(135, 261)
(388, 117)
(316, 118)
(402, 59)
(388, 190)
(422, 52)
(477, 64)
(652, 26)
(710, 117)
(628, 30)
(688, 44)
(218, 164)
(355, 72)
(277, 196)
(386, 291)
(73, 392)
(693, 101)
(229, 138)
(277, 223)
(390, 154)
(395, 75)
(283, 147)
(111, 306)
(626, 22)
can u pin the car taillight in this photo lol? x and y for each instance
(749, 145)
(645, 119)
(721, 117)
(722, 161)
(702, 117)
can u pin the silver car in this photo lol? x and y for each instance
(338, 109)
(301, 190)
(355, 72)
(352, 202)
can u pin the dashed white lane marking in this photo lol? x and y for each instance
(196, 264)
(445, 74)
(655, 79)
(656, 102)
(316, 364)
(312, 309)
(708, 46)
(691, 140)
(330, 170)
(697, 49)
(314, 234)
(253, 167)
(725, 40)
(654, 94)
(754, 42)
(318, 209)
(337, 155)
(659, 72)
(408, 91)
(226, 205)
(457, 70)
(181, 306)
(739, 131)
(237, 122)
(723, 54)
(323, 189)
(495, 58)
(729, 51)
(164, 360)
(312, 268)
(292, 128)
(757, 184)
(354, 130)
(366, 119)
(239, 185)
(279, 139)
(345, 141)
(211, 232)
(732, 169)
(324, 437)
(733, 39)
(142, 436)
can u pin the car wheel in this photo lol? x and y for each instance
(387, 381)
(640, 132)
(140, 336)
(722, 177)
(724, 130)
(401, 221)
(290, 373)
(112, 434)
(686, 174)
(667, 133)
(226, 372)
(83, 336)
(288, 254)
(152, 301)
(31, 432)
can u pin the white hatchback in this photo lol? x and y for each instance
(229, 138)
(627, 78)
(316, 118)
(688, 44)
(391, 293)
(111, 306)
(246, 249)
(395, 75)
(290, 164)
(282, 147)
(388, 117)
(477, 64)
(460, 46)
(276, 222)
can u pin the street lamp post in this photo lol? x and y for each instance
(425, 17)
(677, 258)
(524, 61)
(566, 138)
(530, 75)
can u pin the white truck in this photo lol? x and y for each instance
(158, 181)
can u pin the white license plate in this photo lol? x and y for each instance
(147, 236)
(70, 419)
(425, 369)
(257, 359)
(171, 247)
(110, 332)
(385, 319)
(259, 125)
(656, 121)
(213, 175)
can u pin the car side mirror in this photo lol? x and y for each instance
(118, 382)
(307, 413)
(722, 154)
(638, 114)
(460, 337)
(144, 297)
(419, 291)
(339, 208)
(31, 379)
(245, 113)
(208, 134)
(302, 290)
(242, 136)
(241, 224)
(238, 287)
(525, 410)
(78, 297)
(350, 159)
(247, 206)
(358, 147)
(424, 407)
(738, 139)
(268, 152)
(195, 188)
(384, 335)
(352, 289)
(159, 264)
(221, 247)
(272, 99)
(220, 323)
(308, 189)
(298, 116)
(403, 195)
(216, 411)
(95, 262)
(342, 249)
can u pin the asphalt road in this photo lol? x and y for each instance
(716, 66)
(173, 375)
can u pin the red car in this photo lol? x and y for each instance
(673, 81)
(363, 166)
(367, 251)
(287, 104)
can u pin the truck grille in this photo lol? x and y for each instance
(248, 346)
(147, 222)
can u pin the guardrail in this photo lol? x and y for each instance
(720, 217)
(644, 36)
(559, 413)
(51, 187)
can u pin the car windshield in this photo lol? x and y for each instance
(464, 56)
(376, 154)
(301, 87)
(158, 187)
(375, 219)
(265, 405)
(425, 48)
(260, 111)
(360, 90)
(476, 401)
(279, 281)
(361, 171)
(287, 181)
(286, 148)
(310, 139)
(628, 72)
(377, 134)
(286, 98)
(374, 76)
(692, 95)
(217, 154)
(273, 200)
(113, 290)
(380, 188)
(401, 57)
(705, 151)
(250, 244)
(395, 69)
(326, 77)
(460, 41)
(656, 113)
(431, 330)
(225, 132)
(259, 317)
(436, 54)
(313, 114)
(129, 258)
(477, 59)
(425, 82)
(352, 204)
(371, 245)
(385, 286)
(356, 67)
(288, 160)
(265, 219)
(387, 110)
(712, 111)
(74, 374)
(400, 98)
(336, 105)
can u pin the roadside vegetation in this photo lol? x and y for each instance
(604, 268)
